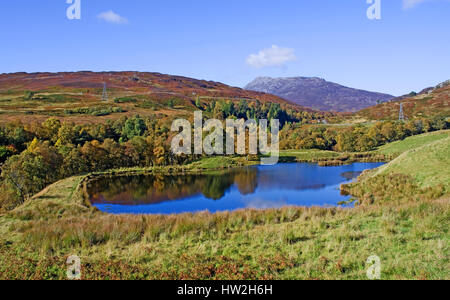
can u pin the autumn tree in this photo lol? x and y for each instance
(49, 130)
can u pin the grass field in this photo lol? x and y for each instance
(411, 236)
(411, 241)
(309, 155)
(330, 158)
(220, 163)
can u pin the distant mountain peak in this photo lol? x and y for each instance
(317, 93)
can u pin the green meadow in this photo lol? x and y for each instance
(413, 142)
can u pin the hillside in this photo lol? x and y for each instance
(420, 173)
(435, 170)
(413, 142)
(316, 93)
(35, 97)
(124, 83)
(429, 103)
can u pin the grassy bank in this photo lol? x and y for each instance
(429, 165)
(413, 142)
(420, 173)
(403, 219)
(330, 158)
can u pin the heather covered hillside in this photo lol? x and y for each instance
(126, 83)
(79, 97)
(431, 102)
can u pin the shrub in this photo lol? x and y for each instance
(94, 111)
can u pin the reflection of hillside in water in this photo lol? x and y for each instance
(153, 189)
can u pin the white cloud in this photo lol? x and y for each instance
(112, 17)
(408, 4)
(271, 57)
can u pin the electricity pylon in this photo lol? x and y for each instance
(401, 116)
(105, 93)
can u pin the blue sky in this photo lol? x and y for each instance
(234, 41)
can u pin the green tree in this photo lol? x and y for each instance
(133, 127)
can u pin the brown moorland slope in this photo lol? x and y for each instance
(429, 103)
(30, 97)
(131, 82)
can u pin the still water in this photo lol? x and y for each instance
(259, 187)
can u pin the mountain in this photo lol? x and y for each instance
(317, 93)
(430, 102)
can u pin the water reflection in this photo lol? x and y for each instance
(152, 189)
(252, 187)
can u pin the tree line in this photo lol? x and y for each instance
(36, 155)
(357, 138)
(256, 110)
